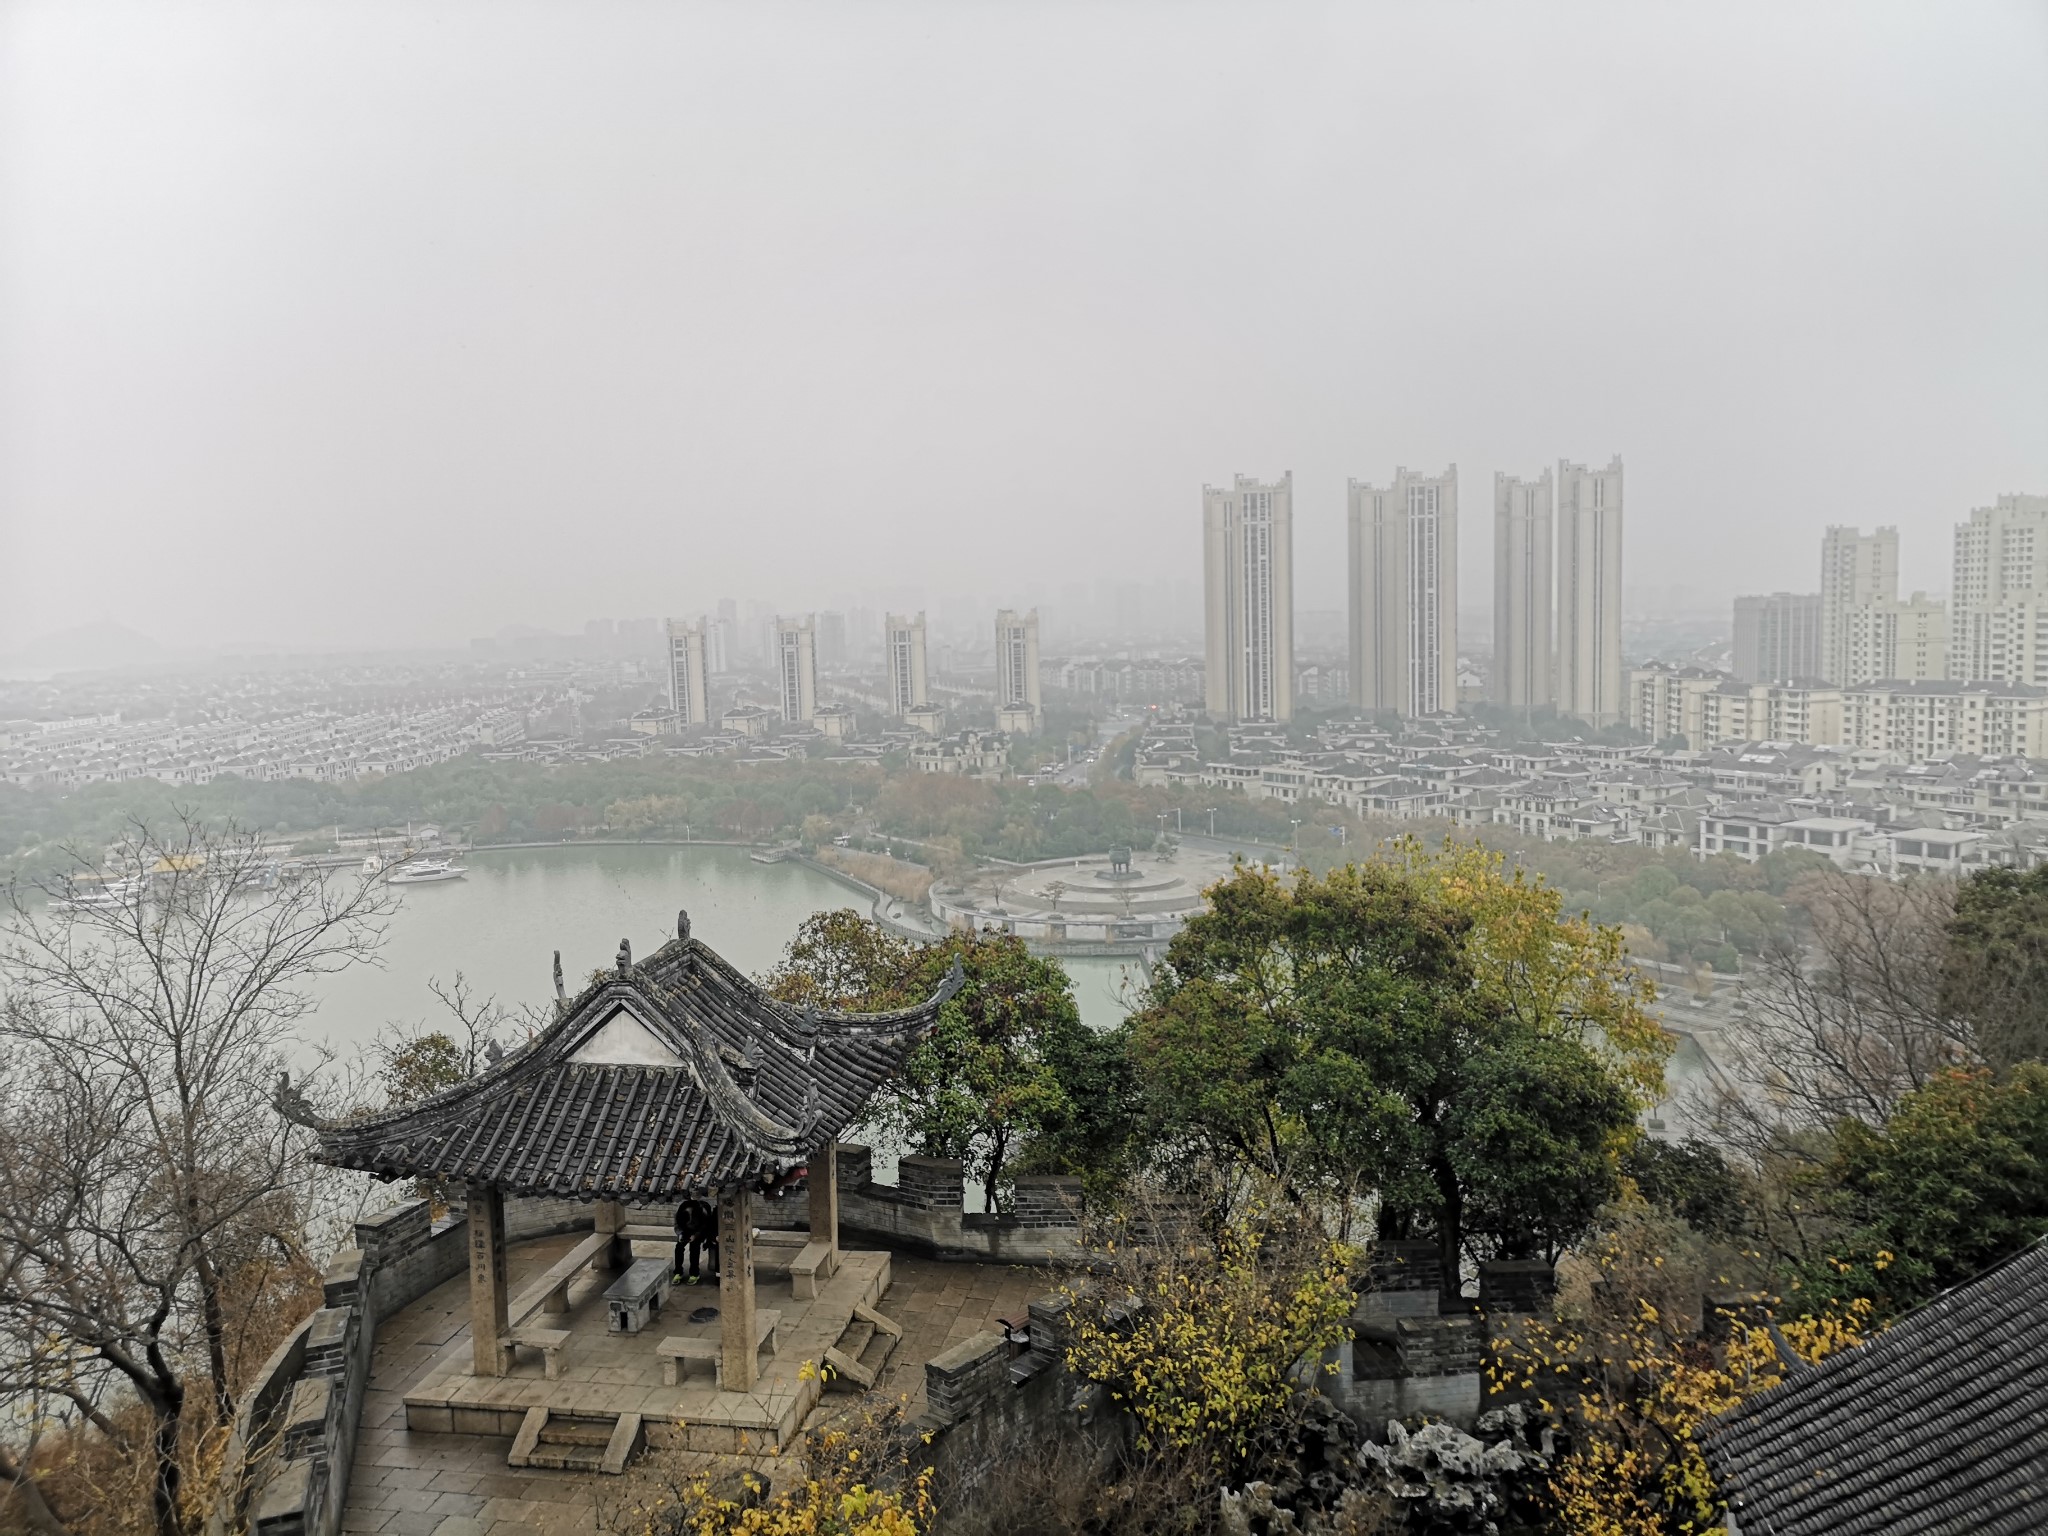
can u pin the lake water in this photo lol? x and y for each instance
(501, 926)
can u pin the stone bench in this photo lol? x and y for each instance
(676, 1350)
(550, 1292)
(805, 1269)
(549, 1341)
(794, 1254)
(634, 1299)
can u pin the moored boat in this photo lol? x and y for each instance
(425, 872)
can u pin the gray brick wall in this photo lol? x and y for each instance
(965, 1379)
(936, 1183)
(1406, 1267)
(1517, 1285)
(856, 1166)
(1047, 1200)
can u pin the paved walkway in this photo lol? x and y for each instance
(413, 1484)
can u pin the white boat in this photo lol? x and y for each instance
(425, 872)
(110, 896)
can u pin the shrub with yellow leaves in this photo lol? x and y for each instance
(1207, 1341)
(854, 1477)
(1633, 1383)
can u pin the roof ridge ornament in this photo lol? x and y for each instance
(625, 956)
(293, 1104)
(683, 924)
(561, 992)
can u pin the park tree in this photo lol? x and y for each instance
(1995, 974)
(1007, 1066)
(1199, 1335)
(1689, 1180)
(1845, 1024)
(987, 1080)
(1622, 1373)
(144, 1175)
(1955, 1180)
(1414, 1036)
(842, 960)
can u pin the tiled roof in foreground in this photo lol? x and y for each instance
(1937, 1425)
(674, 1077)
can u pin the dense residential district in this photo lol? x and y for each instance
(1885, 735)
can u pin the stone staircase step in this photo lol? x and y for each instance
(577, 1431)
(847, 1374)
(527, 1438)
(627, 1437)
(867, 1314)
(876, 1355)
(576, 1442)
(864, 1347)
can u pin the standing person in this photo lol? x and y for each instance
(696, 1240)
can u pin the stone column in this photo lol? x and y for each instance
(489, 1301)
(611, 1218)
(824, 1183)
(736, 1289)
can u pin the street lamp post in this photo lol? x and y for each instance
(1212, 821)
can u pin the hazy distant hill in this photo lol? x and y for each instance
(87, 647)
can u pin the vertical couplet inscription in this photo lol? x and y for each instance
(736, 1290)
(488, 1303)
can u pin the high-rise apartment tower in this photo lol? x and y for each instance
(1017, 697)
(717, 645)
(796, 668)
(1589, 516)
(689, 685)
(1856, 570)
(831, 628)
(1404, 594)
(1998, 620)
(1777, 637)
(903, 645)
(1524, 675)
(1248, 576)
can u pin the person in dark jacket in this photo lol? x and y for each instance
(696, 1242)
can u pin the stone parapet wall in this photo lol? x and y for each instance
(1517, 1285)
(299, 1421)
(989, 1402)
(1406, 1358)
(921, 1212)
(964, 1380)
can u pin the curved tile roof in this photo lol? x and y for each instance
(1937, 1425)
(674, 1077)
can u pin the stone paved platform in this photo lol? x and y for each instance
(609, 1373)
(416, 1482)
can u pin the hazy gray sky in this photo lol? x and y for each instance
(357, 322)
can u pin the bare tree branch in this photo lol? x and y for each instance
(148, 1008)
